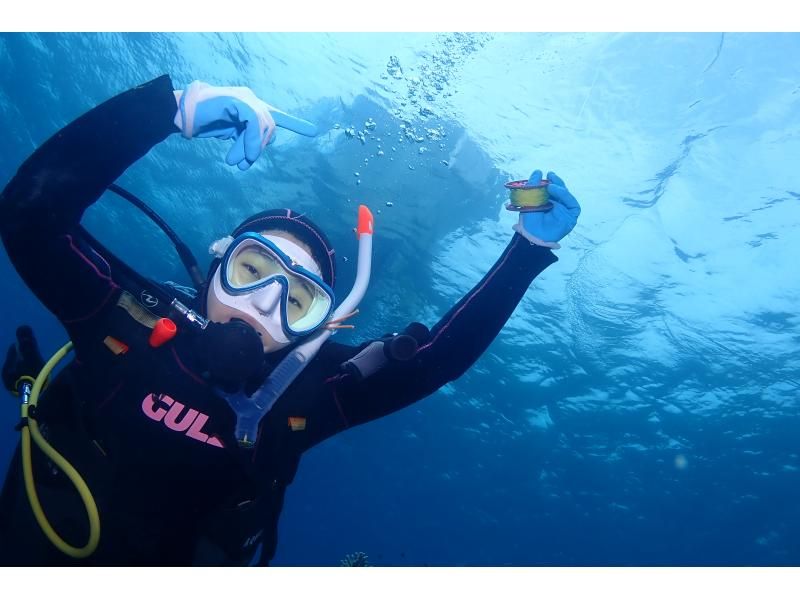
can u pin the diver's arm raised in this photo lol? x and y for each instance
(41, 207)
(453, 345)
(464, 333)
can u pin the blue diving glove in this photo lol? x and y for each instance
(548, 228)
(233, 113)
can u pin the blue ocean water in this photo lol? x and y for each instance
(640, 407)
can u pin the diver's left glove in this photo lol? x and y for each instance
(23, 361)
(548, 228)
(226, 113)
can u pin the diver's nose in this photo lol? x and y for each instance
(267, 299)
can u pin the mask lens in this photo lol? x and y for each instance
(307, 306)
(250, 265)
(253, 264)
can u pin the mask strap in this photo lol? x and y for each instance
(220, 246)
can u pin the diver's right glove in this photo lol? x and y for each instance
(548, 228)
(233, 113)
(23, 361)
(225, 113)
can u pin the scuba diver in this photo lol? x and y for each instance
(182, 417)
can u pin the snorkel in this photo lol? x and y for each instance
(251, 409)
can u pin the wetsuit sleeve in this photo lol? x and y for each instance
(41, 207)
(455, 343)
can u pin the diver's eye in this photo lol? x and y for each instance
(294, 301)
(251, 270)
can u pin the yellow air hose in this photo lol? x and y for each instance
(32, 430)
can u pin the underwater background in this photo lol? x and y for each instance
(639, 408)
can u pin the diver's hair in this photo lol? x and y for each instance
(298, 226)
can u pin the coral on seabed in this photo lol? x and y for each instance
(357, 559)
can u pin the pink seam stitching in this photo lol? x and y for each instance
(88, 261)
(339, 407)
(94, 312)
(102, 276)
(111, 396)
(471, 297)
(186, 370)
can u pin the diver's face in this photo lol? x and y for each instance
(261, 308)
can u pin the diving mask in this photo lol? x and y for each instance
(274, 267)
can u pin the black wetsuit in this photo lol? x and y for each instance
(146, 429)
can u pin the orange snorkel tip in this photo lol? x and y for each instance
(366, 221)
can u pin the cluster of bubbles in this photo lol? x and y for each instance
(430, 79)
(406, 135)
(415, 107)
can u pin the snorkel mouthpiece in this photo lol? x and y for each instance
(234, 352)
(528, 198)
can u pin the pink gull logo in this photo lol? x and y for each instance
(189, 422)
